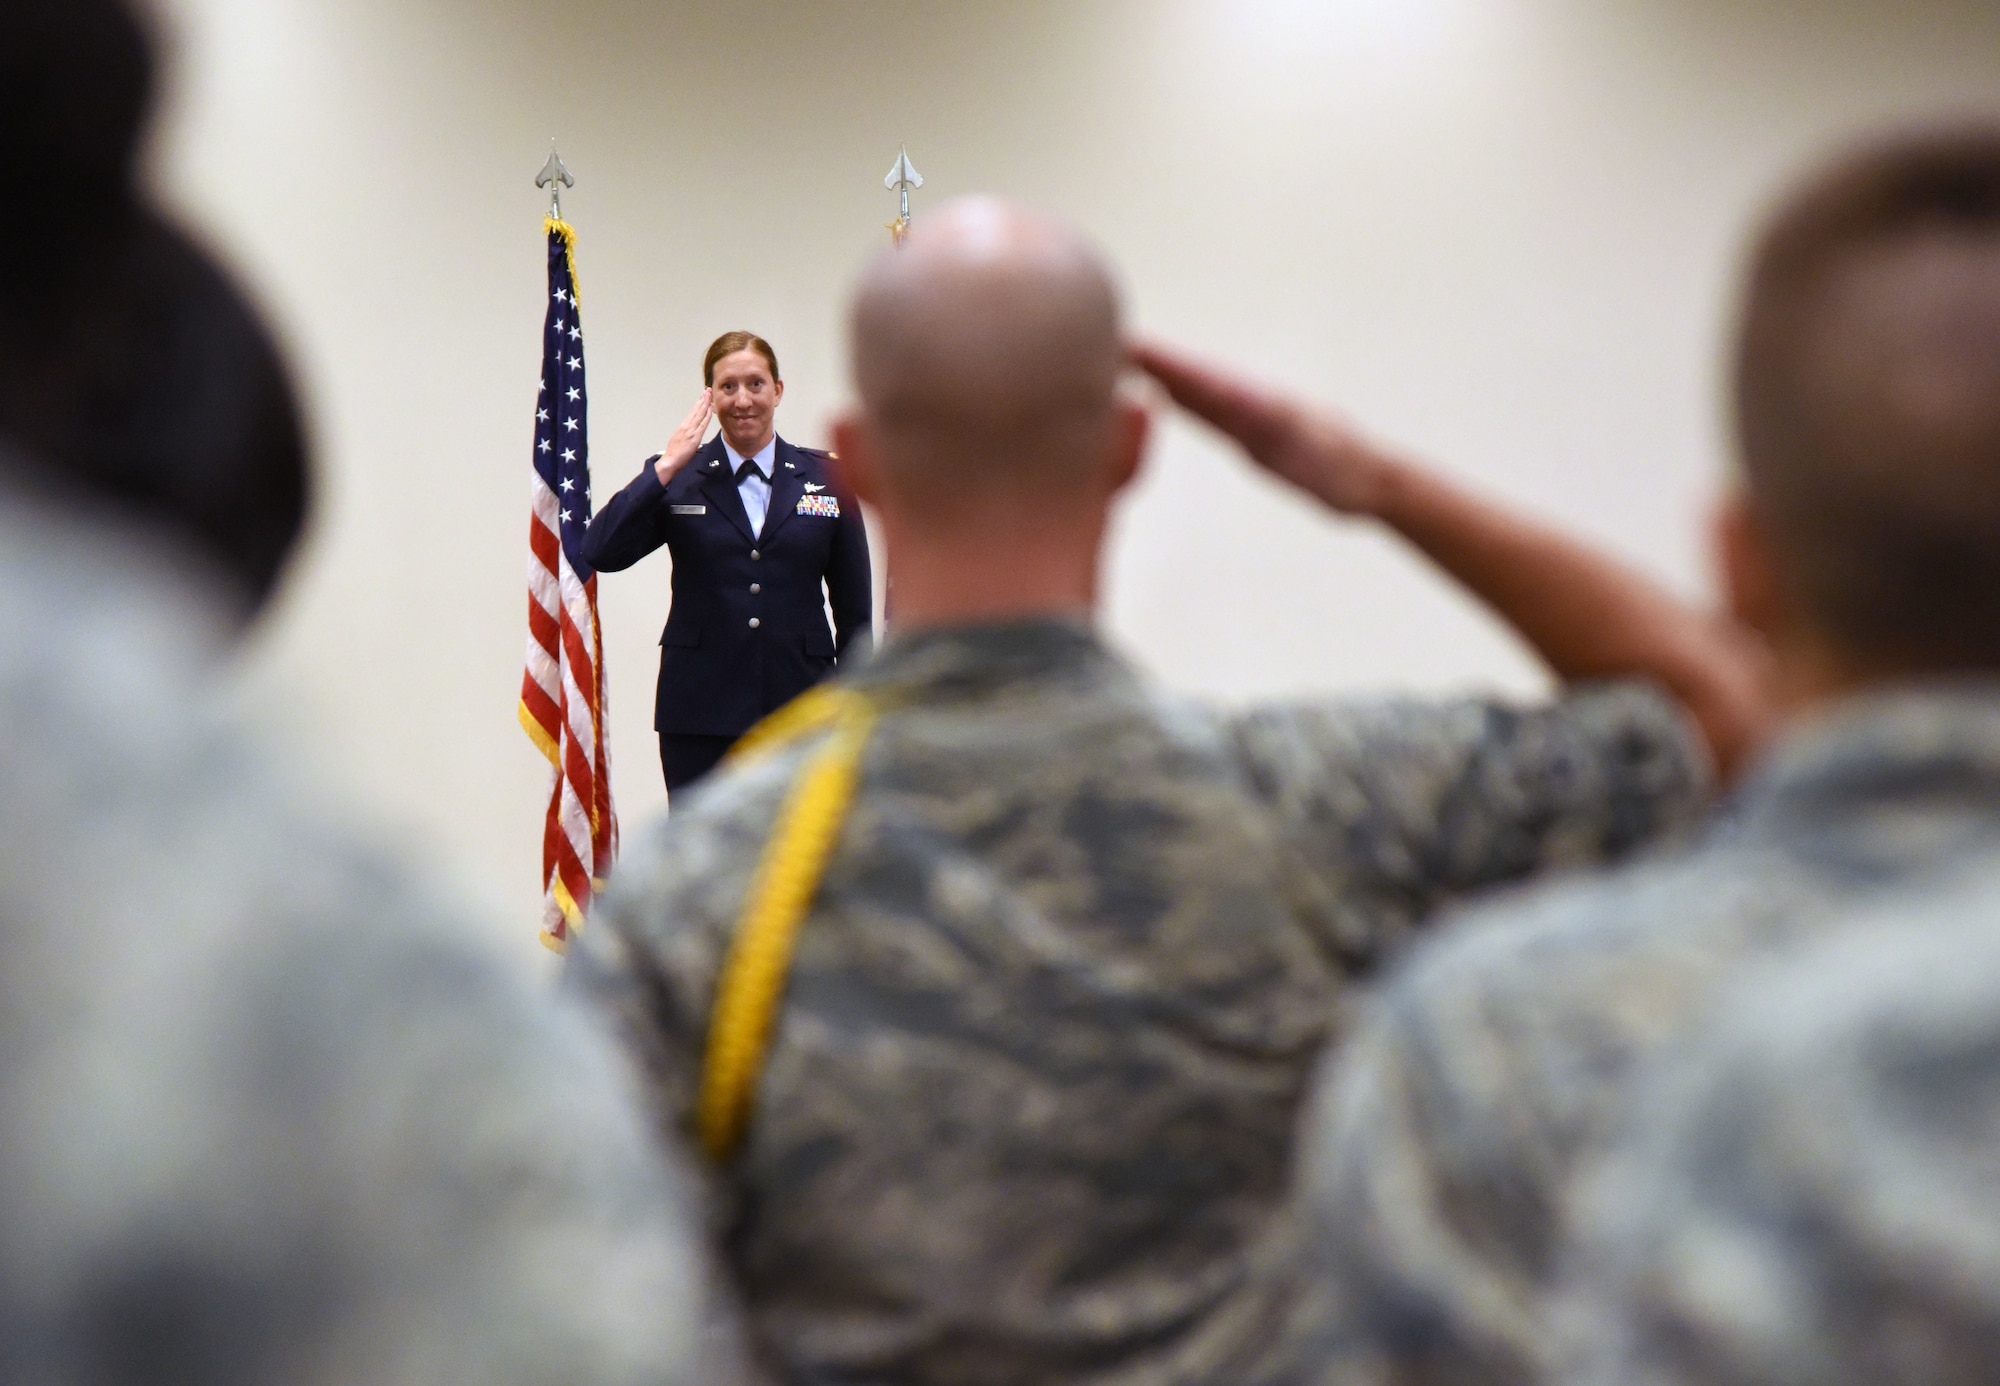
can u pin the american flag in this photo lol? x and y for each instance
(562, 692)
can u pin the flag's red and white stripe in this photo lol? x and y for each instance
(563, 710)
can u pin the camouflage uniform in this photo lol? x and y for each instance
(269, 1111)
(1813, 1195)
(1442, 1148)
(1027, 1113)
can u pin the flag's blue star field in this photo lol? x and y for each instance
(562, 428)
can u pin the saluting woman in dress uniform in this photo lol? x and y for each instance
(762, 541)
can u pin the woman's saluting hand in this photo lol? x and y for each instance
(686, 439)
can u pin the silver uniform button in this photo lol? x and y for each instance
(755, 554)
(755, 588)
(754, 623)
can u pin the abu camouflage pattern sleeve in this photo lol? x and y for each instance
(1399, 806)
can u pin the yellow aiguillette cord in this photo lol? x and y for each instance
(781, 895)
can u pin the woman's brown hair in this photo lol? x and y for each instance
(728, 344)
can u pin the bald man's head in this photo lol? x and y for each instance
(987, 353)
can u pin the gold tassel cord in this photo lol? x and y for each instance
(782, 890)
(814, 710)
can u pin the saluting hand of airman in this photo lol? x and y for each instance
(681, 448)
(1314, 449)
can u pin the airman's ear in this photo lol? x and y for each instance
(1132, 425)
(855, 462)
(1751, 586)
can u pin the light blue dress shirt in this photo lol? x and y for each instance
(755, 487)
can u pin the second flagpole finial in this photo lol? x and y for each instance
(902, 177)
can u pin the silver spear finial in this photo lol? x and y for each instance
(555, 176)
(902, 177)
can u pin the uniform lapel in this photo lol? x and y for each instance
(787, 486)
(718, 483)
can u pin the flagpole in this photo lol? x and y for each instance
(563, 706)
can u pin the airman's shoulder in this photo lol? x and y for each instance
(1571, 955)
(692, 868)
(1522, 1016)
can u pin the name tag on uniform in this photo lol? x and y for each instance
(826, 507)
(688, 509)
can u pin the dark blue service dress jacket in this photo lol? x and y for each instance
(747, 631)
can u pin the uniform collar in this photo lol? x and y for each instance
(1934, 741)
(947, 663)
(765, 458)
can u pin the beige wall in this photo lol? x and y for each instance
(1499, 231)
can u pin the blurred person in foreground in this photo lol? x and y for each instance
(1022, 1105)
(1864, 542)
(1812, 1194)
(271, 1111)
